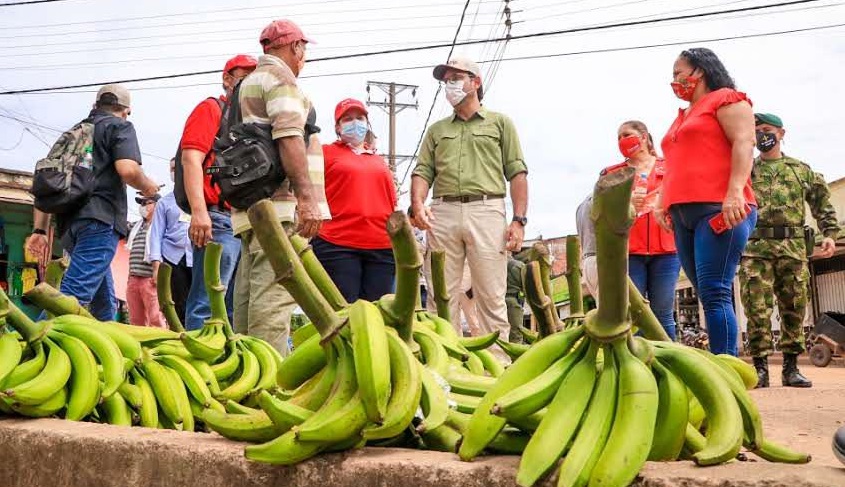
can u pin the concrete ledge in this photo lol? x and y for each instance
(55, 453)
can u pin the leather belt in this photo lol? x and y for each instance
(218, 209)
(471, 198)
(777, 233)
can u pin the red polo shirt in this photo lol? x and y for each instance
(199, 134)
(698, 154)
(361, 196)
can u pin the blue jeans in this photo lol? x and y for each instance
(358, 273)
(656, 276)
(710, 262)
(91, 245)
(197, 309)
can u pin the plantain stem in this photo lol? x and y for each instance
(318, 273)
(55, 271)
(214, 288)
(408, 264)
(289, 270)
(165, 298)
(438, 283)
(54, 302)
(541, 304)
(29, 330)
(613, 218)
(573, 276)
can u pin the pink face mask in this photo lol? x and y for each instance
(629, 145)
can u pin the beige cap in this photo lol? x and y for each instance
(460, 64)
(119, 91)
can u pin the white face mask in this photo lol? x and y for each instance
(145, 211)
(455, 92)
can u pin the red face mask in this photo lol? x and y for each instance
(685, 88)
(629, 145)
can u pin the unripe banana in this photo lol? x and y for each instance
(773, 452)
(491, 364)
(303, 333)
(405, 387)
(148, 412)
(344, 388)
(147, 335)
(372, 358)
(183, 403)
(724, 419)
(433, 353)
(208, 347)
(531, 422)
(562, 419)
(207, 373)
(129, 347)
(84, 384)
(233, 407)
(28, 369)
(313, 394)
(250, 374)
(537, 393)
(481, 342)
(10, 355)
(629, 443)
(105, 350)
(443, 438)
(283, 414)
(696, 412)
(131, 393)
(226, 368)
(303, 363)
(672, 415)
(172, 348)
(484, 426)
(745, 370)
(465, 404)
(159, 380)
(474, 364)
(514, 350)
(189, 377)
(463, 382)
(46, 409)
(433, 401)
(116, 411)
(267, 361)
(509, 441)
(346, 422)
(52, 377)
(284, 450)
(253, 428)
(694, 441)
(593, 433)
(530, 336)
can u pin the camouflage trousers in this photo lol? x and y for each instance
(761, 280)
(515, 316)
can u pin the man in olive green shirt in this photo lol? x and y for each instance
(467, 158)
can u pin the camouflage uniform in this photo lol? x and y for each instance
(778, 267)
(513, 299)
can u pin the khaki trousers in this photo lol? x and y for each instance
(474, 233)
(590, 276)
(263, 307)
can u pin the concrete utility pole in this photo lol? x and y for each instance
(392, 107)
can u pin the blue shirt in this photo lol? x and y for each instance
(169, 233)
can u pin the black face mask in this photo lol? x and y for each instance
(766, 141)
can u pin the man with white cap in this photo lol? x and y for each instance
(270, 96)
(467, 159)
(91, 233)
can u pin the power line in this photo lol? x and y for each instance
(33, 2)
(437, 46)
(311, 3)
(436, 94)
(20, 139)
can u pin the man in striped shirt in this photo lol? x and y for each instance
(141, 295)
(270, 96)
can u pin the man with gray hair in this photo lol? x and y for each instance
(91, 233)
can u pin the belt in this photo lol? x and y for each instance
(588, 254)
(777, 233)
(218, 209)
(470, 198)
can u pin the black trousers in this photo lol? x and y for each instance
(358, 273)
(180, 284)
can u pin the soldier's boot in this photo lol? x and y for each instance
(791, 375)
(762, 366)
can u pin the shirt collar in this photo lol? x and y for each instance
(481, 113)
(271, 60)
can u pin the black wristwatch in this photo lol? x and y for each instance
(521, 220)
(39, 231)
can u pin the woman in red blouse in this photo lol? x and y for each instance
(353, 246)
(706, 195)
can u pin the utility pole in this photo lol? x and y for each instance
(392, 107)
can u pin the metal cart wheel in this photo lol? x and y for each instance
(820, 355)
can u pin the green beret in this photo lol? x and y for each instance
(768, 118)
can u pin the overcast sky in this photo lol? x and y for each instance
(566, 108)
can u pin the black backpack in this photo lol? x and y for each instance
(179, 172)
(64, 180)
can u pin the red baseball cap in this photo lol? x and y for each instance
(244, 61)
(281, 32)
(346, 105)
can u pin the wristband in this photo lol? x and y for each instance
(39, 231)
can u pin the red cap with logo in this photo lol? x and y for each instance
(281, 32)
(346, 105)
(240, 61)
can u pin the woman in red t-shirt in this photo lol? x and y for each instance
(652, 259)
(707, 187)
(354, 246)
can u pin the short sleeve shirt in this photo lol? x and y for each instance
(470, 157)
(114, 139)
